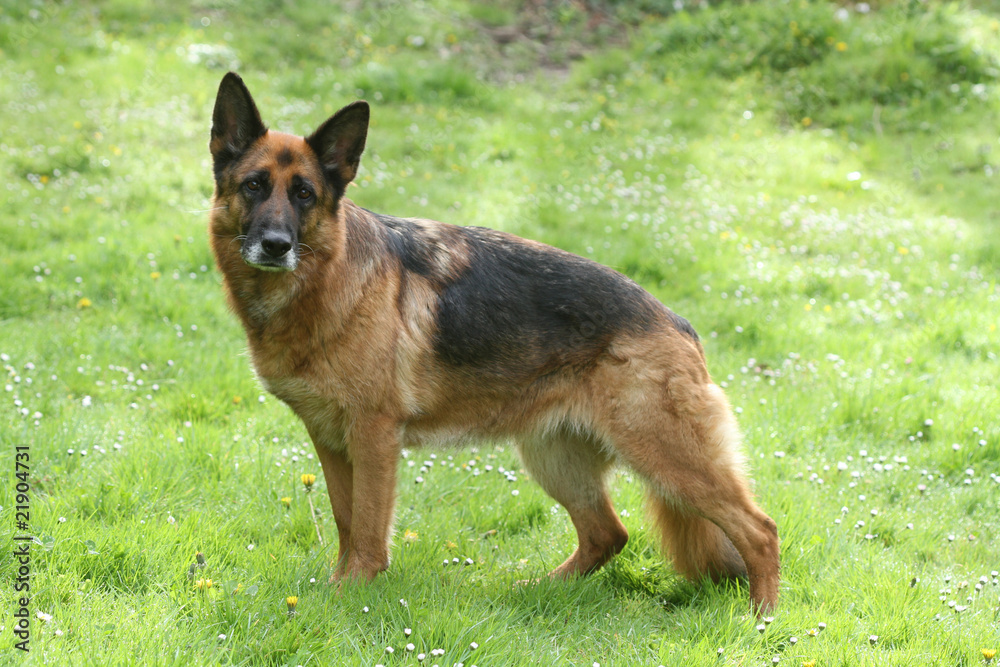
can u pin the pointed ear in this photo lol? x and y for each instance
(236, 122)
(339, 142)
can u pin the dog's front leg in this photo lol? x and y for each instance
(373, 448)
(339, 474)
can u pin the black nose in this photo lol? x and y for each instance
(276, 243)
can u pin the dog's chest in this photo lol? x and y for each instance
(294, 391)
(322, 415)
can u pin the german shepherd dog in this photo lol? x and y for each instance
(383, 332)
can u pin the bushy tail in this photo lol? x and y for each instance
(698, 547)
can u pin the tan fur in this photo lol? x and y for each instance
(347, 340)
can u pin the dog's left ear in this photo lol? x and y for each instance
(236, 123)
(340, 141)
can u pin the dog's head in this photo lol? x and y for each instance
(274, 189)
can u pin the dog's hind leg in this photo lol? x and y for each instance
(693, 537)
(690, 454)
(571, 469)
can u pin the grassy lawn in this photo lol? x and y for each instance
(813, 186)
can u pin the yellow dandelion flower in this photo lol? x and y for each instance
(155, 275)
(237, 400)
(410, 535)
(65, 209)
(841, 46)
(84, 303)
(308, 480)
(988, 653)
(903, 250)
(807, 121)
(286, 501)
(827, 308)
(808, 663)
(77, 124)
(291, 601)
(44, 179)
(808, 307)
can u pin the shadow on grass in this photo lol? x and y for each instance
(620, 582)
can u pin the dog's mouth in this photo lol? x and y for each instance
(274, 268)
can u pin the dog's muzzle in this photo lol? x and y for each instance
(273, 251)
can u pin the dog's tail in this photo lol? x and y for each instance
(698, 546)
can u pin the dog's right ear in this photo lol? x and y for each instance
(236, 123)
(340, 141)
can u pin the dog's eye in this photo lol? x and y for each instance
(253, 185)
(303, 193)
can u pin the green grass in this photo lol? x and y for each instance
(815, 193)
